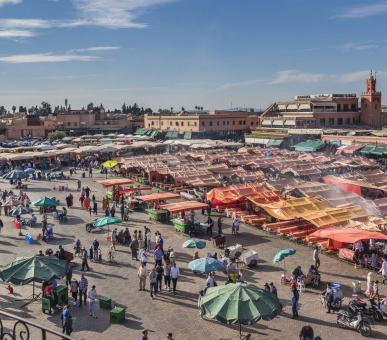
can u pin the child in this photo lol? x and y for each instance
(10, 289)
(376, 291)
(99, 254)
(90, 210)
(91, 253)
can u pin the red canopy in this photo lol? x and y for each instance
(183, 206)
(157, 196)
(106, 183)
(350, 235)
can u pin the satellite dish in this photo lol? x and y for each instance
(351, 133)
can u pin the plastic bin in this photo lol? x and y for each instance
(83, 175)
(105, 302)
(29, 239)
(117, 315)
(356, 286)
(62, 294)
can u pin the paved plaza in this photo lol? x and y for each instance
(176, 313)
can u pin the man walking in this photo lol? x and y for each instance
(133, 250)
(159, 277)
(87, 192)
(175, 273)
(148, 236)
(92, 294)
(84, 259)
(143, 255)
(316, 257)
(95, 252)
(142, 274)
(158, 254)
(167, 275)
(83, 284)
(153, 283)
(69, 275)
(220, 225)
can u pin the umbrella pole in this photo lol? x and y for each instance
(240, 332)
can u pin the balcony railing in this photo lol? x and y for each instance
(21, 329)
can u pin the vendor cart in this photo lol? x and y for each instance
(233, 252)
(158, 215)
(181, 225)
(250, 258)
(219, 241)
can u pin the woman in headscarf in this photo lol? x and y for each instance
(86, 203)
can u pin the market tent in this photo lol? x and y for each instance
(350, 149)
(157, 196)
(274, 142)
(45, 202)
(367, 149)
(174, 208)
(353, 185)
(350, 235)
(266, 197)
(235, 192)
(106, 183)
(309, 146)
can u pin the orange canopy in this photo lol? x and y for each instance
(134, 189)
(235, 192)
(158, 196)
(183, 206)
(106, 183)
(350, 235)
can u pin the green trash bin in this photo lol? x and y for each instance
(105, 302)
(45, 305)
(62, 294)
(117, 315)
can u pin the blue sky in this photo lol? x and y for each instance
(211, 53)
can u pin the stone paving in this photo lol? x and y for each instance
(177, 313)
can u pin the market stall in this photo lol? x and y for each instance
(183, 222)
(114, 184)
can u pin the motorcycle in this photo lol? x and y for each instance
(356, 305)
(346, 320)
(381, 308)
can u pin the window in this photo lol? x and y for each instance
(251, 123)
(244, 122)
(376, 106)
(203, 123)
(365, 105)
(68, 124)
(75, 124)
(240, 122)
(228, 123)
(218, 123)
(188, 123)
(162, 123)
(338, 107)
(331, 121)
(149, 125)
(345, 108)
(170, 123)
(182, 124)
(322, 121)
(347, 121)
(210, 123)
(195, 124)
(355, 120)
(233, 122)
(353, 107)
(224, 123)
(339, 121)
(153, 123)
(176, 123)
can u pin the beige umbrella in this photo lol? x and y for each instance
(11, 203)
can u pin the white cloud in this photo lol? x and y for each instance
(293, 76)
(358, 76)
(239, 84)
(111, 14)
(357, 47)
(364, 11)
(100, 48)
(45, 58)
(9, 2)
(16, 33)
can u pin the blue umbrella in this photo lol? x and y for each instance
(282, 255)
(206, 265)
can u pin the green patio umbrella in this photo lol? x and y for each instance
(54, 177)
(19, 211)
(206, 265)
(15, 174)
(281, 255)
(103, 222)
(45, 202)
(240, 303)
(194, 244)
(33, 269)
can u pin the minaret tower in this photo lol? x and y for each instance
(371, 102)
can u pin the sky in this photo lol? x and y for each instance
(185, 53)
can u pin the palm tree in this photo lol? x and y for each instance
(171, 109)
(66, 102)
(201, 108)
(13, 109)
(196, 108)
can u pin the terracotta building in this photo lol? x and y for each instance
(222, 123)
(327, 110)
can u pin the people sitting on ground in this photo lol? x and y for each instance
(266, 287)
(192, 230)
(196, 256)
(121, 237)
(313, 277)
(49, 252)
(127, 237)
(33, 220)
(297, 273)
